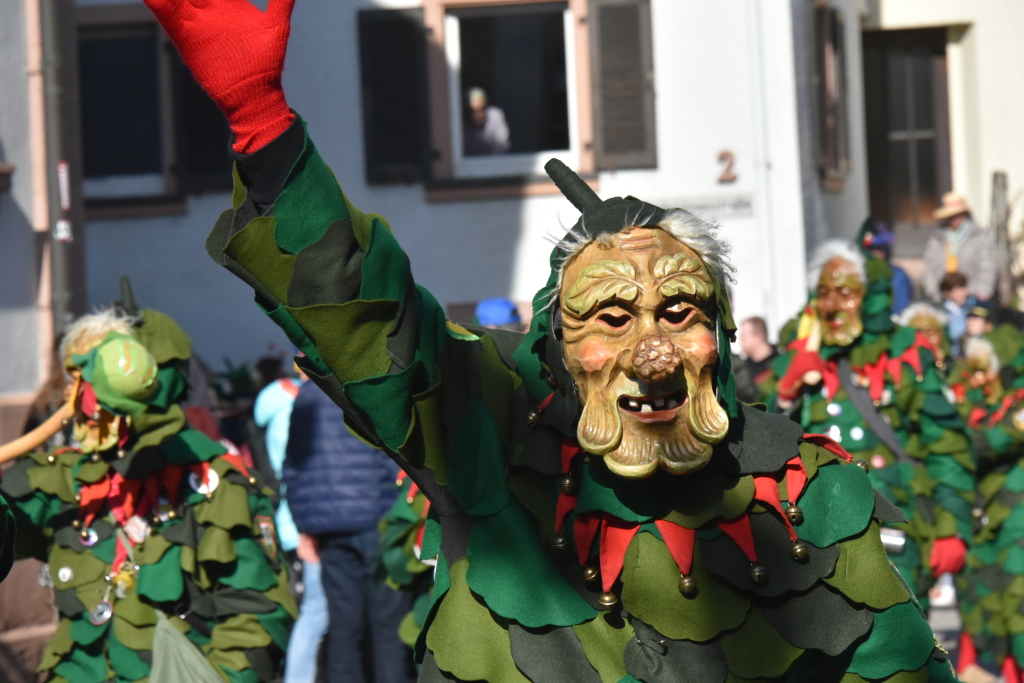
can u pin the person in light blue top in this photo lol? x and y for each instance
(273, 411)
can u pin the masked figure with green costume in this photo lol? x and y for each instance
(161, 546)
(601, 507)
(874, 387)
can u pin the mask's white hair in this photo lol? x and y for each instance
(982, 349)
(94, 327)
(922, 308)
(829, 250)
(696, 233)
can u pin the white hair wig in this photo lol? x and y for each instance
(922, 308)
(696, 233)
(826, 251)
(95, 326)
(982, 349)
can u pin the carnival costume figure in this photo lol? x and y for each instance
(402, 564)
(602, 509)
(930, 322)
(161, 546)
(874, 387)
(991, 595)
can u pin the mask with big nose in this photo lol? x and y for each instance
(639, 340)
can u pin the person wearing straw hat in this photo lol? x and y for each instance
(603, 509)
(960, 245)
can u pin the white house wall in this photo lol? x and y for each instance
(465, 251)
(19, 366)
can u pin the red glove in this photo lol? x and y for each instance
(236, 53)
(948, 555)
(802, 363)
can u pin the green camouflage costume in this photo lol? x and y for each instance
(991, 595)
(201, 563)
(935, 491)
(484, 421)
(400, 565)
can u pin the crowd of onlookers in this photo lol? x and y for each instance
(957, 288)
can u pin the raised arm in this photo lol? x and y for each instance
(333, 278)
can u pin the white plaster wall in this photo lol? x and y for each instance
(470, 250)
(18, 358)
(985, 54)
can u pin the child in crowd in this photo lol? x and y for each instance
(957, 303)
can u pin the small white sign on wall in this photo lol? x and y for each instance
(714, 206)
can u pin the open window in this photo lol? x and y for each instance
(511, 89)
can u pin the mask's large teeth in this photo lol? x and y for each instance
(645, 407)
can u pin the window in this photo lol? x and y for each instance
(121, 135)
(907, 119)
(511, 88)
(396, 130)
(831, 101)
(147, 131)
(473, 97)
(623, 80)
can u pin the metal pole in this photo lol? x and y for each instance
(58, 184)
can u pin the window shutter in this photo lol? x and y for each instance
(622, 72)
(392, 56)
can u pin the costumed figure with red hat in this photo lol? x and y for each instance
(874, 387)
(161, 546)
(602, 509)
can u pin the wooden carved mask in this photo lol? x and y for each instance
(639, 317)
(840, 297)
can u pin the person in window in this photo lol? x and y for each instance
(960, 245)
(485, 130)
(602, 508)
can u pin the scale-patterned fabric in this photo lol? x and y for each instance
(711, 579)
(206, 559)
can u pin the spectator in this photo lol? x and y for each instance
(485, 130)
(959, 246)
(338, 490)
(272, 412)
(498, 314)
(956, 301)
(759, 354)
(879, 242)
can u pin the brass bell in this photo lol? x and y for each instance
(64, 422)
(561, 542)
(156, 520)
(252, 480)
(51, 458)
(800, 552)
(758, 575)
(795, 514)
(78, 497)
(608, 599)
(550, 379)
(863, 464)
(77, 524)
(121, 453)
(171, 514)
(688, 586)
(567, 484)
(84, 533)
(95, 457)
(591, 574)
(532, 418)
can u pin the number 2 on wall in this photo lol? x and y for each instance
(726, 158)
